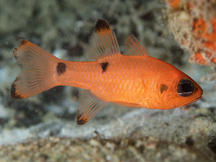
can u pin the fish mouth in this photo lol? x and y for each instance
(195, 99)
(199, 96)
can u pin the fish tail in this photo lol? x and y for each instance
(37, 70)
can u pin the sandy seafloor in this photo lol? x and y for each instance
(43, 127)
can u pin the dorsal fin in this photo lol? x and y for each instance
(133, 47)
(102, 26)
(103, 41)
(89, 105)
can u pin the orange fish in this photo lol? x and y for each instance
(134, 79)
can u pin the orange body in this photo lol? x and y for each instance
(135, 79)
(129, 80)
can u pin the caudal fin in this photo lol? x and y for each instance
(37, 70)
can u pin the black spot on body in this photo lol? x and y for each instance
(101, 25)
(61, 68)
(163, 88)
(14, 94)
(104, 66)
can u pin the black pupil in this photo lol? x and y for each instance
(185, 88)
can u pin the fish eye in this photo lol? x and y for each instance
(185, 88)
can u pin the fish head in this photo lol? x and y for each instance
(181, 91)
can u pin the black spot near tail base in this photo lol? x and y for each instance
(104, 66)
(61, 68)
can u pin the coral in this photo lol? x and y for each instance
(194, 25)
(173, 3)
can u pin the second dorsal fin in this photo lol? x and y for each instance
(133, 47)
(103, 41)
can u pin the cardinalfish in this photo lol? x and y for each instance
(134, 79)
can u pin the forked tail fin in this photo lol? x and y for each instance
(37, 70)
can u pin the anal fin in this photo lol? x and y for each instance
(88, 106)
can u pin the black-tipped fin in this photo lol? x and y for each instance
(103, 41)
(36, 73)
(88, 106)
